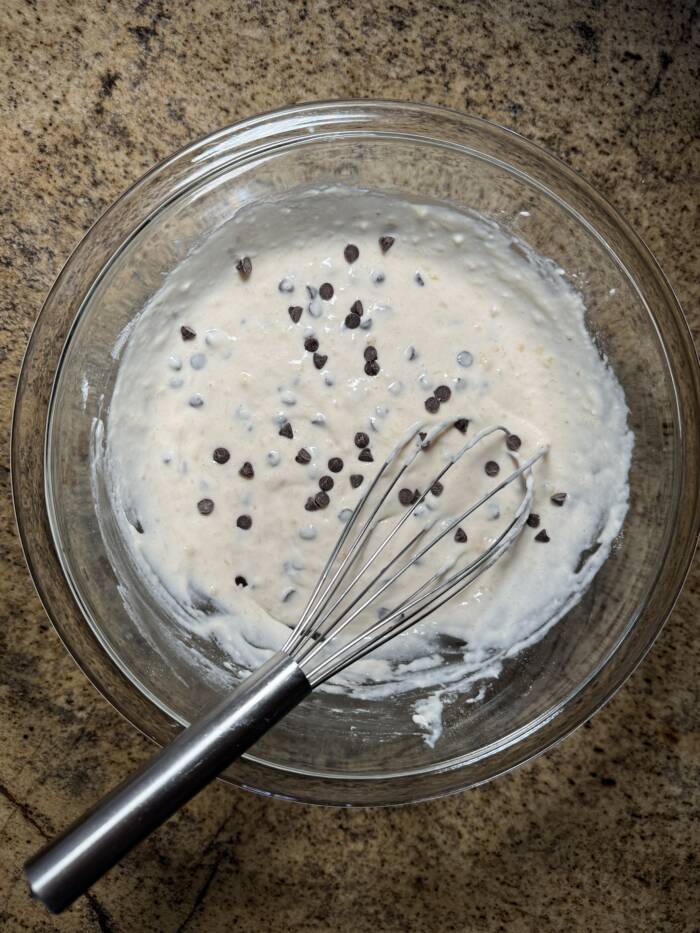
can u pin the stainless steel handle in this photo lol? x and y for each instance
(66, 867)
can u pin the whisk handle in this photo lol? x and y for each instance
(66, 867)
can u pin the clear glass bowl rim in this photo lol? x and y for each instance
(303, 121)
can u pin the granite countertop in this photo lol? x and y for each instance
(601, 834)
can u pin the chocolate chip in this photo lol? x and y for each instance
(410, 353)
(286, 430)
(311, 344)
(372, 367)
(245, 267)
(356, 480)
(326, 291)
(460, 536)
(247, 471)
(542, 536)
(357, 308)
(320, 360)
(385, 243)
(187, 332)
(295, 312)
(244, 521)
(352, 320)
(462, 424)
(241, 581)
(303, 456)
(322, 499)
(351, 252)
(513, 442)
(221, 455)
(370, 354)
(326, 483)
(310, 504)
(366, 456)
(559, 498)
(361, 439)
(533, 520)
(286, 286)
(419, 279)
(205, 506)
(443, 393)
(406, 496)
(491, 468)
(437, 489)
(335, 464)
(432, 404)
(422, 435)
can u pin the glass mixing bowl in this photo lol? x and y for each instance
(160, 678)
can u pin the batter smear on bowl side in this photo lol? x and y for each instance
(281, 362)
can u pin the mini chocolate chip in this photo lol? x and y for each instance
(406, 496)
(326, 483)
(372, 367)
(205, 506)
(559, 498)
(322, 499)
(326, 291)
(370, 354)
(295, 312)
(351, 252)
(432, 404)
(303, 456)
(241, 581)
(533, 520)
(311, 344)
(462, 424)
(366, 456)
(356, 480)
(491, 468)
(357, 308)
(244, 521)
(513, 442)
(286, 430)
(460, 536)
(310, 504)
(542, 536)
(352, 320)
(361, 439)
(247, 471)
(437, 488)
(187, 332)
(422, 435)
(335, 464)
(138, 526)
(320, 360)
(416, 495)
(245, 267)
(221, 455)
(419, 279)
(443, 393)
(385, 243)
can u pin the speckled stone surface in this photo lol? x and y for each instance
(603, 833)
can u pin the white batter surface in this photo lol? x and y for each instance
(244, 383)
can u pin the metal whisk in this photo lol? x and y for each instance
(332, 633)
